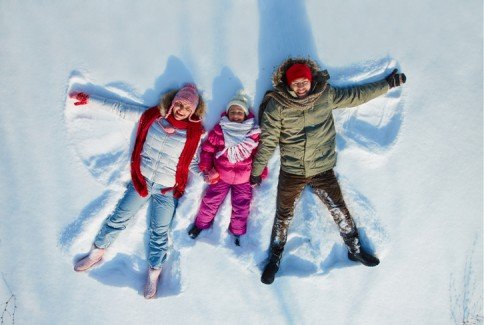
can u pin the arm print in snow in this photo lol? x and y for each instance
(98, 137)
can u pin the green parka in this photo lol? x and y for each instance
(304, 128)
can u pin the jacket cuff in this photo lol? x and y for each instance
(256, 171)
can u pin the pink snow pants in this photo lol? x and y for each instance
(214, 196)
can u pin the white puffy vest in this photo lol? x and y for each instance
(160, 153)
(161, 150)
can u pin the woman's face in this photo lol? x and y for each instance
(236, 114)
(301, 87)
(181, 111)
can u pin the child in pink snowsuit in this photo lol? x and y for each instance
(226, 161)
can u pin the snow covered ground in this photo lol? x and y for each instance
(410, 163)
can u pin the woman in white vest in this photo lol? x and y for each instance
(166, 141)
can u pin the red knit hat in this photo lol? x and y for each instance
(296, 71)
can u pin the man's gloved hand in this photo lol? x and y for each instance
(255, 180)
(211, 177)
(396, 79)
(82, 98)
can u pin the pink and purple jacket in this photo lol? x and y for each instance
(211, 156)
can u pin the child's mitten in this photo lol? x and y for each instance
(211, 177)
(255, 180)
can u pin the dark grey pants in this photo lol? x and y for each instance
(326, 187)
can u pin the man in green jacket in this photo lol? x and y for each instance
(297, 116)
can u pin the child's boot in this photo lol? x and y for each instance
(194, 231)
(94, 256)
(152, 283)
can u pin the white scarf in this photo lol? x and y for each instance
(238, 144)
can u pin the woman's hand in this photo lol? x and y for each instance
(82, 98)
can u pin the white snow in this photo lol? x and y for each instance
(410, 163)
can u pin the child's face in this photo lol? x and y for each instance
(181, 111)
(236, 114)
(301, 87)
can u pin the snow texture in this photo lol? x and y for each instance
(410, 163)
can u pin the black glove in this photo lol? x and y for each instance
(396, 79)
(255, 180)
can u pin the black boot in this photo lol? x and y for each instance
(364, 258)
(237, 240)
(194, 231)
(270, 270)
(356, 253)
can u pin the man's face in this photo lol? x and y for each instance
(301, 87)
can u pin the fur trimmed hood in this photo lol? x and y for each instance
(167, 99)
(285, 96)
(320, 77)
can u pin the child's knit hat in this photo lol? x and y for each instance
(240, 99)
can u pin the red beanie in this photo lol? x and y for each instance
(296, 71)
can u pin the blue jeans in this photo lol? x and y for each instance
(161, 212)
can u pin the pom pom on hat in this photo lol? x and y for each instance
(296, 71)
(240, 99)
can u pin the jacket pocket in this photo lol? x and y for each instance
(326, 155)
(292, 157)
